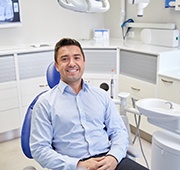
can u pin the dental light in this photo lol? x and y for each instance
(141, 5)
(86, 6)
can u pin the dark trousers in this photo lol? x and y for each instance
(125, 164)
(128, 164)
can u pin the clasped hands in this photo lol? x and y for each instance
(101, 163)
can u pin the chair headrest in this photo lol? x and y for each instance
(52, 75)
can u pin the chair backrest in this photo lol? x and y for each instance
(25, 133)
(53, 77)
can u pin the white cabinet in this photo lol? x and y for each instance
(99, 65)
(9, 107)
(32, 80)
(138, 77)
(9, 100)
(34, 64)
(22, 78)
(138, 89)
(29, 89)
(100, 60)
(169, 89)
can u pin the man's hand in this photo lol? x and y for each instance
(90, 164)
(108, 163)
(100, 163)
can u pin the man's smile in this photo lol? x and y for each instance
(72, 70)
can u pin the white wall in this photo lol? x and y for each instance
(45, 21)
(155, 12)
(112, 19)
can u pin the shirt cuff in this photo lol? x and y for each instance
(119, 154)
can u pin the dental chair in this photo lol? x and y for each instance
(53, 78)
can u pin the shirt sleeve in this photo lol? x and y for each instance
(41, 140)
(117, 132)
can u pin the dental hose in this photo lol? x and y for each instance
(137, 133)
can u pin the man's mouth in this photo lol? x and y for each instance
(72, 70)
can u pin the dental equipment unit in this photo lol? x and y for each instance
(86, 6)
(123, 111)
(99, 6)
(165, 144)
(141, 5)
(164, 114)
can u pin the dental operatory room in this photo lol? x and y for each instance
(123, 57)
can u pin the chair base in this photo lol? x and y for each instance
(29, 168)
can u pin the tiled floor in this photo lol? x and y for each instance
(12, 158)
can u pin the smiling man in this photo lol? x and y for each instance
(70, 62)
(76, 125)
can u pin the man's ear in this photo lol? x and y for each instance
(55, 63)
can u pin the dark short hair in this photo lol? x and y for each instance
(66, 42)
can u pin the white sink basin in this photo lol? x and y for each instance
(160, 112)
(159, 109)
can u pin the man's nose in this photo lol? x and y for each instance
(71, 61)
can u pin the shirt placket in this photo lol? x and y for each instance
(83, 122)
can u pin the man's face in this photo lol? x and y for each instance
(70, 63)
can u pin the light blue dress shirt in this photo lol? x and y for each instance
(67, 127)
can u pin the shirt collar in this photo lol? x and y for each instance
(65, 87)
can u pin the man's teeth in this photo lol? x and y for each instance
(72, 71)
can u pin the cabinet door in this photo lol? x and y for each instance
(169, 89)
(9, 100)
(29, 89)
(101, 60)
(138, 65)
(7, 68)
(138, 89)
(34, 64)
(9, 107)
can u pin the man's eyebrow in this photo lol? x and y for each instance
(77, 54)
(65, 55)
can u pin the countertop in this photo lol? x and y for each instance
(175, 74)
(91, 44)
(127, 45)
(112, 43)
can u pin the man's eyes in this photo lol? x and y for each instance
(66, 58)
(77, 58)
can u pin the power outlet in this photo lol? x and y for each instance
(131, 34)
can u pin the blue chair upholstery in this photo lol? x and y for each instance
(25, 133)
(53, 77)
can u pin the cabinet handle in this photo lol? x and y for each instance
(167, 81)
(43, 85)
(135, 89)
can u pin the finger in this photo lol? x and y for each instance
(98, 158)
(103, 167)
